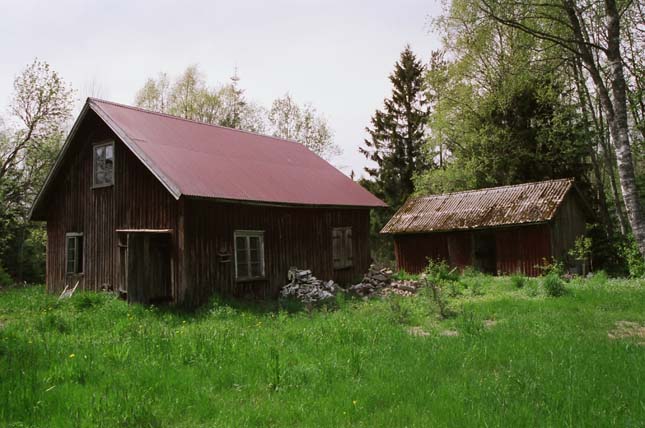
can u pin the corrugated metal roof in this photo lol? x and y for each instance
(202, 160)
(474, 209)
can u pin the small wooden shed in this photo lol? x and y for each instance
(171, 210)
(500, 230)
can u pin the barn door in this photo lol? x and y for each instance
(147, 268)
(485, 252)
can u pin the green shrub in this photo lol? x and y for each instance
(5, 278)
(454, 289)
(555, 267)
(518, 281)
(87, 300)
(635, 262)
(473, 284)
(553, 285)
(439, 272)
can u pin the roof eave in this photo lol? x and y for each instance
(283, 204)
(465, 229)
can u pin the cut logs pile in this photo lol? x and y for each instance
(307, 288)
(379, 282)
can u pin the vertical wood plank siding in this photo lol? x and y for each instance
(136, 200)
(523, 249)
(519, 249)
(201, 229)
(300, 237)
(568, 224)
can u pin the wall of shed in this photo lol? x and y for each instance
(568, 224)
(523, 249)
(137, 200)
(300, 237)
(519, 249)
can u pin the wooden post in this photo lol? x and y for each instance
(182, 261)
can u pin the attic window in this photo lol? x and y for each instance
(103, 165)
(74, 250)
(342, 247)
(249, 255)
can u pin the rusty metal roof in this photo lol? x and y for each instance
(203, 160)
(475, 209)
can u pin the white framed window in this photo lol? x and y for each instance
(342, 253)
(103, 164)
(249, 254)
(74, 253)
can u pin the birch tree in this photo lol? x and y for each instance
(591, 32)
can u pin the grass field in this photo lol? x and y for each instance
(508, 357)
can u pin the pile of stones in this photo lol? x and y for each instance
(307, 288)
(379, 282)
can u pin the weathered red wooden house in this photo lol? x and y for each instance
(501, 230)
(168, 209)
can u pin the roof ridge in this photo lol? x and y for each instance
(197, 122)
(483, 189)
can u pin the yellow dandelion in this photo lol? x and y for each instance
(72, 355)
(354, 402)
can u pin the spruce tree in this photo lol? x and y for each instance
(395, 144)
(397, 133)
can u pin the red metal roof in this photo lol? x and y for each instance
(202, 160)
(474, 209)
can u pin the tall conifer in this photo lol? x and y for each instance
(397, 133)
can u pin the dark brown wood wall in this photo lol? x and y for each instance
(523, 249)
(300, 237)
(293, 236)
(518, 249)
(413, 251)
(568, 224)
(137, 200)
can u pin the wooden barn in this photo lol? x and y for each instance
(501, 230)
(171, 210)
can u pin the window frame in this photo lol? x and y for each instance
(95, 147)
(345, 248)
(247, 234)
(78, 270)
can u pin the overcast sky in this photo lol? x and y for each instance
(334, 54)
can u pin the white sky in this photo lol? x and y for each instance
(334, 54)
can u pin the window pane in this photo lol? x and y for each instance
(256, 269)
(103, 165)
(100, 154)
(79, 254)
(241, 253)
(242, 269)
(248, 251)
(109, 164)
(71, 255)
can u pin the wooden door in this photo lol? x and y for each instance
(148, 275)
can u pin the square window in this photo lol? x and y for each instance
(249, 255)
(103, 165)
(74, 244)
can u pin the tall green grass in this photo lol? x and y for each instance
(520, 358)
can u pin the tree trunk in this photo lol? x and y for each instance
(615, 110)
(618, 127)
